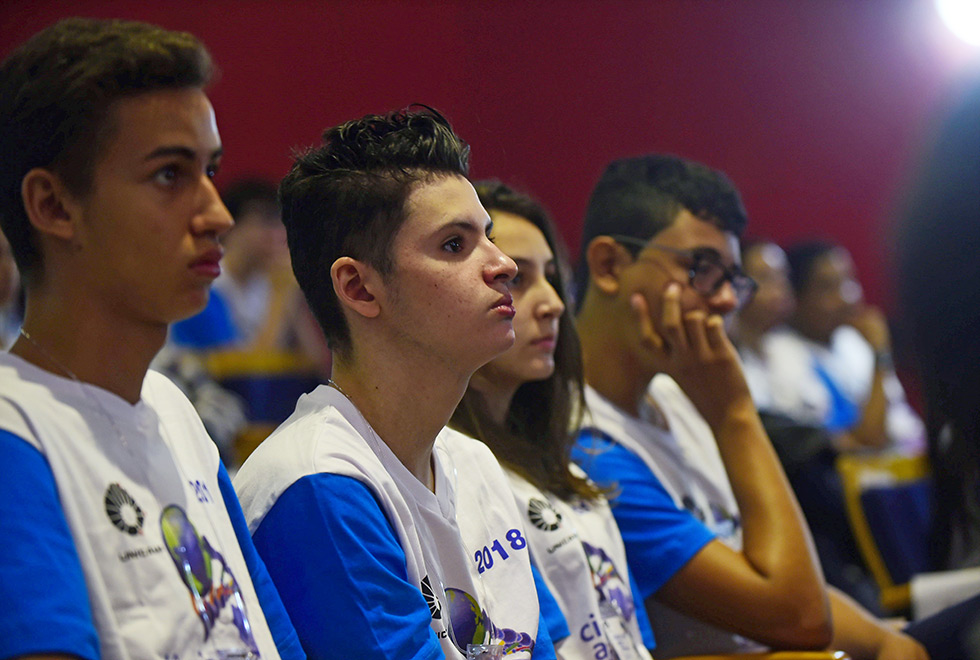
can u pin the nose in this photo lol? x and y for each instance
(212, 216)
(723, 301)
(500, 267)
(550, 306)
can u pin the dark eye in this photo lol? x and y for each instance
(453, 245)
(166, 175)
(516, 281)
(212, 171)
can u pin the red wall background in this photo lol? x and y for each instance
(815, 108)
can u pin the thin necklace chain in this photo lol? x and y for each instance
(71, 374)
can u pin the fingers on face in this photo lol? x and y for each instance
(671, 319)
(641, 310)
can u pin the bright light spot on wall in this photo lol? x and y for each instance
(962, 17)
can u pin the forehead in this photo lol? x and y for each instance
(689, 232)
(140, 124)
(518, 237)
(442, 201)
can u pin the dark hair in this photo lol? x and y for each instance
(56, 96)
(801, 258)
(641, 196)
(245, 195)
(347, 198)
(939, 290)
(536, 439)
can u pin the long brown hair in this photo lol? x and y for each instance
(536, 438)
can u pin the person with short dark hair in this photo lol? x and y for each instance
(831, 365)
(715, 539)
(388, 535)
(122, 536)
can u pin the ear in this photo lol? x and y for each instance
(353, 282)
(606, 259)
(51, 209)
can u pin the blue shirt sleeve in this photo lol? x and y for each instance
(552, 618)
(42, 585)
(660, 538)
(642, 618)
(282, 630)
(340, 570)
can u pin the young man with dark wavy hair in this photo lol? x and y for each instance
(388, 535)
(122, 536)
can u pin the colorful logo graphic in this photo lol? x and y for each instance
(123, 511)
(542, 515)
(194, 558)
(608, 582)
(470, 624)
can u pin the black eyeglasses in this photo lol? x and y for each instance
(706, 274)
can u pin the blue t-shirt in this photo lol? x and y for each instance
(341, 571)
(42, 585)
(660, 538)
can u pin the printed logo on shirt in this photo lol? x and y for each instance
(470, 624)
(123, 511)
(211, 591)
(435, 609)
(542, 515)
(608, 581)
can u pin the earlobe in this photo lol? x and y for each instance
(352, 284)
(48, 204)
(606, 259)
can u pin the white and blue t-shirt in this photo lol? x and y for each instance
(372, 564)
(122, 537)
(577, 548)
(672, 497)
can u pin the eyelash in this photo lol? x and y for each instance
(459, 245)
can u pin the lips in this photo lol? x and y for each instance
(208, 264)
(505, 306)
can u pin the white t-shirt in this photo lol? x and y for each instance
(465, 541)
(138, 485)
(797, 390)
(579, 552)
(686, 462)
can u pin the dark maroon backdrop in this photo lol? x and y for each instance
(815, 108)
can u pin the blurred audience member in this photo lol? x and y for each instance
(939, 284)
(765, 262)
(11, 310)
(832, 366)
(255, 297)
(805, 448)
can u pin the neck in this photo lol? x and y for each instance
(812, 336)
(496, 395)
(406, 402)
(74, 341)
(611, 368)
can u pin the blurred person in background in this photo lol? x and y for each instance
(832, 365)
(806, 449)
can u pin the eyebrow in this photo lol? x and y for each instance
(466, 225)
(182, 152)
